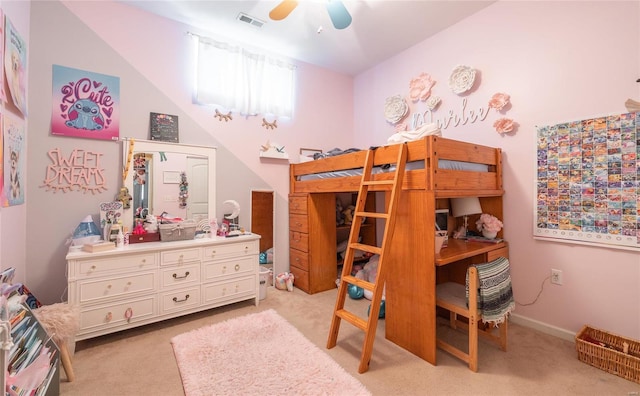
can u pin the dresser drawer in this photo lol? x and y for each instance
(93, 319)
(96, 290)
(300, 279)
(180, 300)
(216, 292)
(299, 259)
(298, 222)
(180, 276)
(180, 256)
(219, 269)
(494, 254)
(231, 250)
(298, 204)
(120, 264)
(299, 241)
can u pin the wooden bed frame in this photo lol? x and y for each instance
(444, 182)
(410, 289)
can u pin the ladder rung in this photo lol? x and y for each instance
(352, 318)
(366, 248)
(352, 280)
(379, 215)
(378, 182)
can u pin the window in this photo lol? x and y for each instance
(242, 81)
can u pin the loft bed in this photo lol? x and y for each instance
(428, 182)
(448, 167)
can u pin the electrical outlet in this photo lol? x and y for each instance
(556, 277)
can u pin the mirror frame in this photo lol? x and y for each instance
(131, 146)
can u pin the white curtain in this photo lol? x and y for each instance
(243, 82)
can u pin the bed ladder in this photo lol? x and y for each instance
(369, 325)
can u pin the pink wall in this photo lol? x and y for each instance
(13, 231)
(559, 61)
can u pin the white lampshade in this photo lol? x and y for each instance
(465, 206)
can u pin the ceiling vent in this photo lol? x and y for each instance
(242, 17)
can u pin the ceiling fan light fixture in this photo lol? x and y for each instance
(340, 17)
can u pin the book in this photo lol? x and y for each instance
(483, 239)
(98, 246)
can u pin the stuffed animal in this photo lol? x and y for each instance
(369, 273)
(348, 214)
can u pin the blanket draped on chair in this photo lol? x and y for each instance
(495, 296)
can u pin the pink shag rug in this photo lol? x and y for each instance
(258, 354)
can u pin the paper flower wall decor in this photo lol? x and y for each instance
(395, 109)
(420, 87)
(499, 101)
(461, 79)
(433, 102)
(504, 125)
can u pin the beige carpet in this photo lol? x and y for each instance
(141, 361)
(213, 360)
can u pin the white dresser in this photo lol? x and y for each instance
(148, 282)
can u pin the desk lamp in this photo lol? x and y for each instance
(463, 207)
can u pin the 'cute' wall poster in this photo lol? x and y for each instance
(85, 104)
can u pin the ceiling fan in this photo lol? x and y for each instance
(338, 13)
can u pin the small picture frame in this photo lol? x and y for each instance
(171, 177)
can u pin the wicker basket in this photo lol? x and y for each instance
(609, 357)
(182, 231)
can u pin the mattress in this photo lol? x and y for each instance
(442, 164)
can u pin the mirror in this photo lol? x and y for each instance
(175, 179)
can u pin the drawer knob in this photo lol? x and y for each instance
(237, 267)
(93, 268)
(297, 259)
(299, 224)
(108, 317)
(144, 261)
(186, 297)
(175, 276)
(128, 314)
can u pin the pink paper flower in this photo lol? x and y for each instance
(489, 223)
(498, 101)
(504, 125)
(420, 87)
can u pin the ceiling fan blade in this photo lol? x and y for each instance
(338, 13)
(283, 9)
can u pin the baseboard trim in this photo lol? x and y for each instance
(542, 327)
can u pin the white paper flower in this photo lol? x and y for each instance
(433, 102)
(395, 109)
(461, 79)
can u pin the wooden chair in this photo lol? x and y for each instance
(452, 297)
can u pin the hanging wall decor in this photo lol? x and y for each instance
(426, 107)
(81, 170)
(13, 162)
(223, 117)
(184, 191)
(588, 179)
(15, 66)
(85, 104)
(163, 127)
(269, 125)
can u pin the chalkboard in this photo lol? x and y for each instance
(164, 127)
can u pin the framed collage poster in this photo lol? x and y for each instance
(85, 104)
(588, 182)
(13, 154)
